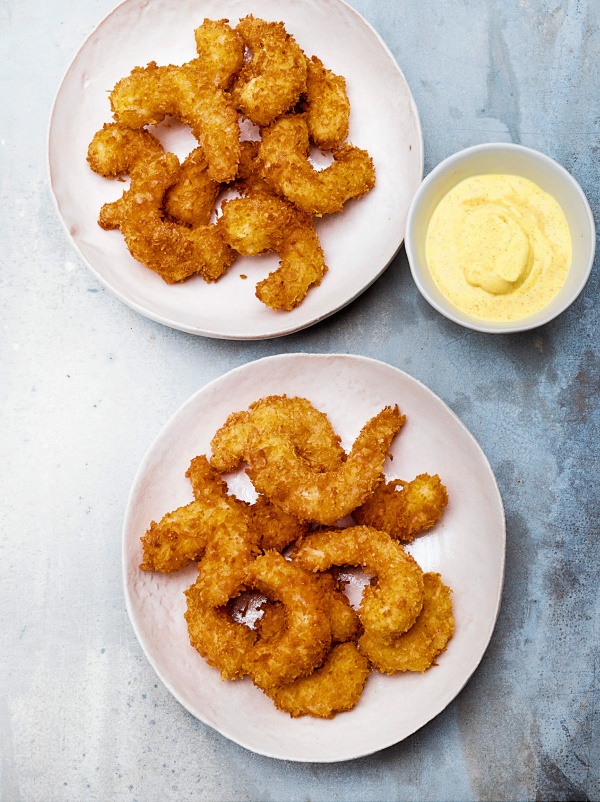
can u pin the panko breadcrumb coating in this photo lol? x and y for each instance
(416, 649)
(328, 107)
(403, 509)
(277, 471)
(333, 688)
(295, 418)
(300, 646)
(391, 605)
(259, 223)
(274, 77)
(284, 154)
(172, 250)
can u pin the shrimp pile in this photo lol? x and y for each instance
(310, 651)
(171, 218)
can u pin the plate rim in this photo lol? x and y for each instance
(450, 694)
(199, 330)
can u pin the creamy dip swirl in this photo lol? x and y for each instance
(498, 247)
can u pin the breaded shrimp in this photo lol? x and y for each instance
(272, 81)
(284, 155)
(172, 250)
(403, 509)
(391, 605)
(277, 471)
(417, 648)
(301, 645)
(292, 417)
(333, 688)
(328, 107)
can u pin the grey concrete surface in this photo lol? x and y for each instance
(86, 383)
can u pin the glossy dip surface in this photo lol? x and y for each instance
(498, 247)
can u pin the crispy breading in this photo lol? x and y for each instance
(259, 223)
(333, 688)
(327, 105)
(293, 417)
(273, 79)
(220, 51)
(149, 94)
(301, 645)
(344, 621)
(192, 198)
(391, 605)
(222, 641)
(172, 250)
(214, 517)
(274, 527)
(284, 152)
(283, 476)
(404, 509)
(417, 648)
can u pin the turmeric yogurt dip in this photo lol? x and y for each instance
(498, 247)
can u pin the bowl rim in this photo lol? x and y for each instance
(462, 319)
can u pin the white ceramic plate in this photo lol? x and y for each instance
(358, 244)
(466, 547)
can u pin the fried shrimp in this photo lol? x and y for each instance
(259, 223)
(172, 250)
(193, 93)
(403, 509)
(343, 619)
(277, 471)
(190, 532)
(391, 605)
(417, 648)
(220, 640)
(302, 643)
(333, 688)
(284, 154)
(275, 527)
(328, 107)
(295, 418)
(191, 200)
(220, 51)
(273, 79)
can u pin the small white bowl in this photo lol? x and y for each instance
(509, 159)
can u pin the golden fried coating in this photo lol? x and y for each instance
(328, 107)
(148, 94)
(391, 605)
(272, 81)
(277, 471)
(403, 509)
(220, 51)
(191, 200)
(344, 621)
(173, 251)
(214, 634)
(214, 517)
(259, 223)
(275, 528)
(309, 430)
(416, 649)
(333, 688)
(301, 645)
(284, 155)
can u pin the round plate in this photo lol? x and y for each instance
(466, 547)
(358, 243)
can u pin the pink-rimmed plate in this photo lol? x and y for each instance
(358, 244)
(466, 546)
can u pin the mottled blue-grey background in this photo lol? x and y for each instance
(86, 383)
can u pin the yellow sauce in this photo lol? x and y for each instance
(498, 247)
